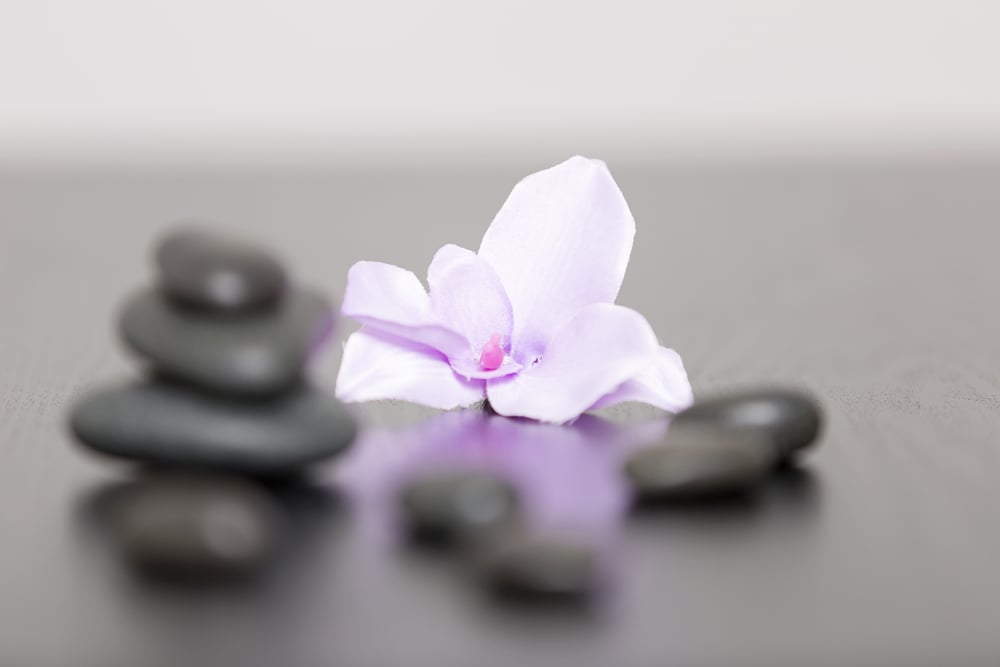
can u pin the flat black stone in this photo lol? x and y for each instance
(204, 269)
(195, 525)
(539, 567)
(449, 506)
(258, 354)
(790, 419)
(700, 462)
(172, 425)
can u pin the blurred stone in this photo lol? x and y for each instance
(192, 525)
(699, 462)
(539, 566)
(256, 354)
(167, 424)
(448, 506)
(788, 418)
(204, 269)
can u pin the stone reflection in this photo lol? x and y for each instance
(568, 477)
(252, 617)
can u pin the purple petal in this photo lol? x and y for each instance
(594, 353)
(391, 299)
(444, 259)
(662, 382)
(379, 366)
(560, 242)
(467, 297)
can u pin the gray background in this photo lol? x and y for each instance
(438, 81)
(873, 283)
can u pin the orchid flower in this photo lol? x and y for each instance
(529, 322)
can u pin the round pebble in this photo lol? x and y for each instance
(204, 269)
(790, 419)
(699, 463)
(449, 506)
(259, 354)
(167, 424)
(540, 566)
(197, 526)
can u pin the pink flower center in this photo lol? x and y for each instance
(492, 354)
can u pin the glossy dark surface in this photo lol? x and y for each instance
(871, 284)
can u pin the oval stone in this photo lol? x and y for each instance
(450, 506)
(699, 462)
(205, 269)
(258, 354)
(540, 566)
(172, 425)
(790, 419)
(195, 525)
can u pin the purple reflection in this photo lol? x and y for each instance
(568, 477)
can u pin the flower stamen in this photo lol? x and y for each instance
(491, 357)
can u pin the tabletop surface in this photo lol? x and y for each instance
(872, 284)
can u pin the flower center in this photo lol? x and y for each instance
(492, 355)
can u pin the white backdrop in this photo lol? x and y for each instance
(451, 79)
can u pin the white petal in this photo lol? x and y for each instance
(444, 259)
(378, 366)
(560, 242)
(390, 299)
(594, 353)
(467, 297)
(662, 382)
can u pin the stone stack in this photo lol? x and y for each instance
(225, 339)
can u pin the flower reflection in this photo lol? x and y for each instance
(568, 477)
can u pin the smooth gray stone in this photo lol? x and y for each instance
(205, 269)
(257, 354)
(700, 462)
(166, 424)
(540, 566)
(451, 506)
(195, 525)
(790, 419)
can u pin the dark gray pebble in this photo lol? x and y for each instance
(204, 269)
(258, 354)
(192, 525)
(540, 566)
(700, 463)
(165, 424)
(450, 506)
(789, 418)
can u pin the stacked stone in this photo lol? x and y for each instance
(226, 339)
